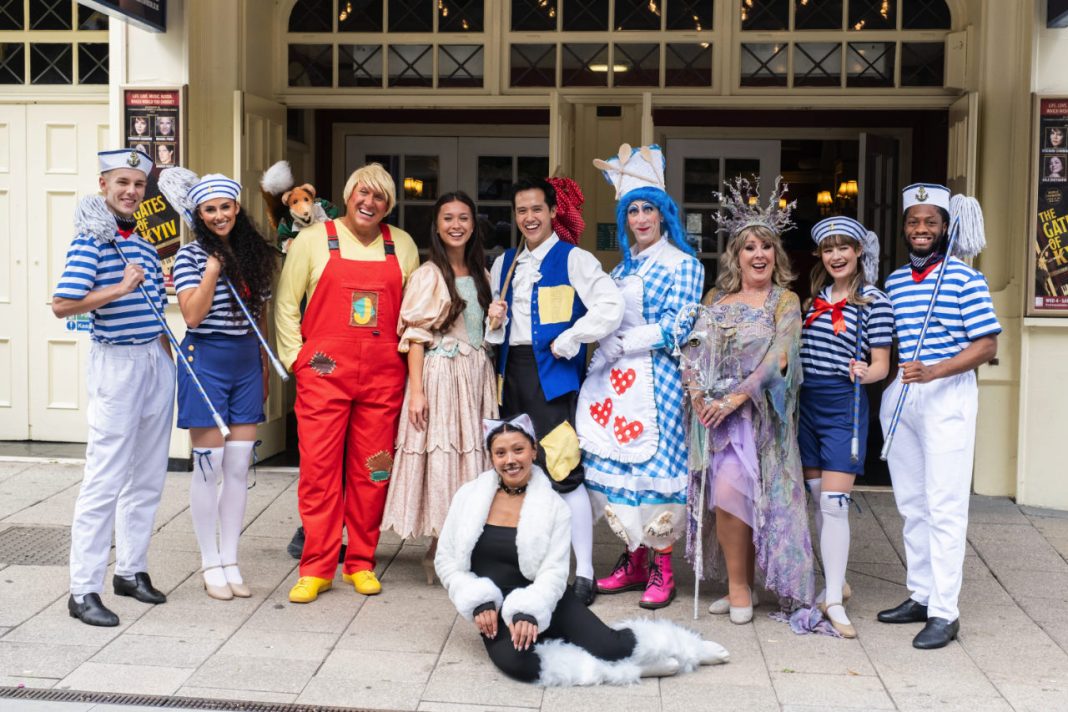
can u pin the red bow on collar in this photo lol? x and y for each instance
(819, 306)
(920, 275)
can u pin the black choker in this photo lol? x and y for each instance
(510, 491)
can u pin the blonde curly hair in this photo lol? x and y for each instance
(729, 279)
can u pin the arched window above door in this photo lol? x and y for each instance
(52, 42)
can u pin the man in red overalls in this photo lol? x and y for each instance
(350, 377)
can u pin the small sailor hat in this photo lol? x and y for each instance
(926, 194)
(214, 185)
(839, 225)
(124, 158)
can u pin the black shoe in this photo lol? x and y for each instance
(936, 634)
(908, 612)
(91, 611)
(140, 588)
(296, 545)
(584, 589)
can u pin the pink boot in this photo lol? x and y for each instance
(661, 589)
(630, 574)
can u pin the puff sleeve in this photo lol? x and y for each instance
(424, 307)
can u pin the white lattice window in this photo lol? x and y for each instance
(52, 42)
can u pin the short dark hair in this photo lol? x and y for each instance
(507, 428)
(541, 184)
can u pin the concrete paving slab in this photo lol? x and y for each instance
(135, 679)
(367, 694)
(42, 659)
(953, 702)
(454, 707)
(278, 645)
(36, 484)
(26, 591)
(31, 682)
(632, 698)
(133, 649)
(831, 690)
(265, 674)
(1016, 548)
(417, 622)
(41, 706)
(10, 469)
(676, 695)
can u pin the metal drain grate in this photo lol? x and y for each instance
(165, 701)
(36, 546)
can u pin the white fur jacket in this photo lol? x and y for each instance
(543, 541)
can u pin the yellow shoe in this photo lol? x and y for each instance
(364, 582)
(308, 589)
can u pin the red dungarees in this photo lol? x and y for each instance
(350, 387)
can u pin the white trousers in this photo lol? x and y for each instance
(931, 470)
(131, 403)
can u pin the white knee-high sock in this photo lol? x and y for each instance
(204, 508)
(834, 543)
(581, 530)
(236, 461)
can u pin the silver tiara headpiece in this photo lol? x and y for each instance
(742, 209)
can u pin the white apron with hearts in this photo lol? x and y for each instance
(617, 415)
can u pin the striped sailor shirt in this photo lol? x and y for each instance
(828, 354)
(92, 264)
(963, 313)
(189, 267)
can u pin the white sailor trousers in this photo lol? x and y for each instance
(931, 470)
(131, 403)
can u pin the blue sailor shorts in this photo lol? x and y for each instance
(825, 428)
(229, 368)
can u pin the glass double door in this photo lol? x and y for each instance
(425, 168)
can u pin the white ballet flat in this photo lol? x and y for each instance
(740, 615)
(723, 606)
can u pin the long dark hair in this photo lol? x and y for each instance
(248, 261)
(474, 258)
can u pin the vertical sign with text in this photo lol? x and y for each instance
(1051, 231)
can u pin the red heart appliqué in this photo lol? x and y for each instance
(626, 432)
(622, 380)
(600, 412)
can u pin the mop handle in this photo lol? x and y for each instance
(854, 444)
(275, 363)
(177, 347)
(954, 230)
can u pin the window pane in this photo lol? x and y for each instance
(460, 15)
(688, 65)
(421, 177)
(90, 19)
(312, 16)
(585, 65)
(700, 229)
(923, 64)
(411, 66)
(392, 165)
(460, 65)
(418, 222)
(498, 222)
(51, 63)
(817, 64)
(93, 63)
(584, 15)
(870, 64)
(50, 15)
(411, 15)
(872, 15)
(636, 65)
(763, 65)
(817, 14)
(12, 15)
(925, 15)
(12, 63)
(700, 178)
(534, 15)
(494, 177)
(689, 15)
(741, 168)
(359, 16)
(310, 65)
(533, 65)
(359, 65)
(765, 14)
(637, 15)
(532, 167)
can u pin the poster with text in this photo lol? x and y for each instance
(1050, 248)
(152, 119)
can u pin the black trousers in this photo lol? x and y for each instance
(571, 622)
(522, 393)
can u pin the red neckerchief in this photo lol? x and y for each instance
(819, 306)
(126, 233)
(919, 276)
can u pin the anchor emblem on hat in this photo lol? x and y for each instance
(921, 194)
(133, 160)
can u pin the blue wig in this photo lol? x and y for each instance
(669, 213)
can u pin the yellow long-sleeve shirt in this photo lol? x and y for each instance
(304, 264)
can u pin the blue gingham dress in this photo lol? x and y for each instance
(675, 281)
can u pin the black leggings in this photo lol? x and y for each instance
(571, 622)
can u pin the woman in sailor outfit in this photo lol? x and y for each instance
(630, 406)
(848, 322)
(504, 556)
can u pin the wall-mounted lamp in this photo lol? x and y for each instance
(413, 187)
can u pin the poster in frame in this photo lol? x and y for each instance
(1047, 276)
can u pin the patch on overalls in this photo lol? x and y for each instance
(322, 364)
(364, 311)
(380, 464)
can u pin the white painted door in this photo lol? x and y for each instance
(14, 318)
(262, 142)
(61, 166)
(878, 199)
(963, 144)
(697, 167)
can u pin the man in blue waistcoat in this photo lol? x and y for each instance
(550, 300)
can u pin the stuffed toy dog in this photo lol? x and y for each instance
(292, 208)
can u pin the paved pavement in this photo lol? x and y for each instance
(407, 650)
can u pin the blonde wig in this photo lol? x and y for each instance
(729, 279)
(375, 177)
(820, 278)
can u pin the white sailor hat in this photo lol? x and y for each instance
(214, 185)
(926, 194)
(839, 225)
(633, 168)
(124, 158)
